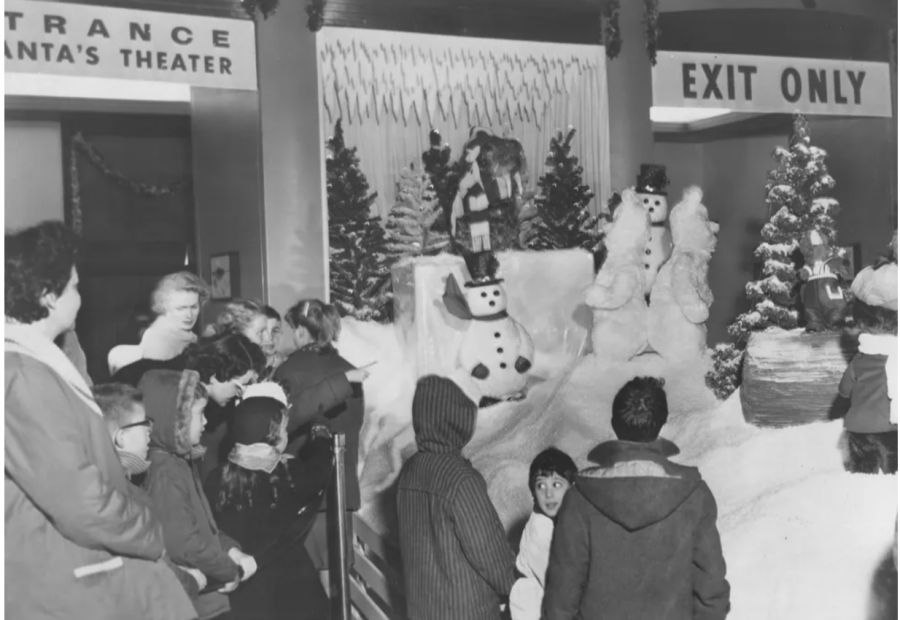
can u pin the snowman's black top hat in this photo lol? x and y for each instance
(652, 180)
(482, 268)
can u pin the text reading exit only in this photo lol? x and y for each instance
(725, 82)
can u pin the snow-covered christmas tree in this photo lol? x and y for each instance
(411, 225)
(796, 194)
(358, 265)
(444, 174)
(562, 219)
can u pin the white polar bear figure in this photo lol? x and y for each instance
(617, 295)
(495, 350)
(680, 300)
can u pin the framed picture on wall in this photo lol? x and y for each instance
(224, 276)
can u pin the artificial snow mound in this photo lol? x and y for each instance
(802, 539)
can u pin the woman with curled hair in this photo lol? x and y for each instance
(175, 304)
(75, 535)
(323, 386)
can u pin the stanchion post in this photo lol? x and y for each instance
(339, 448)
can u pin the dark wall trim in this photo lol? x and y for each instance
(211, 8)
(564, 21)
(765, 125)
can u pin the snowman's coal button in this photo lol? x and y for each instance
(648, 251)
(646, 265)
(496, 334)
(500, 350)
(502, 365)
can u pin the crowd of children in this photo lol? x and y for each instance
(149, 525)
(633, 537)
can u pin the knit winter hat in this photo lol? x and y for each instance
(255, 416)
(877, 287)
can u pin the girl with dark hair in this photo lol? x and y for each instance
(266, 499)
(323, 385)
(552, 473)
(76, 538)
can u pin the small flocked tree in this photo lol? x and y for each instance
(411, 224)
(358, 265)
(796, 194)
(561, 216)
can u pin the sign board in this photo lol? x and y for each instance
(93, 41)
(771, 84)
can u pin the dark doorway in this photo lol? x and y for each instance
(128, 192)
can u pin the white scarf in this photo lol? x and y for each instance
(884, 344)
(28, 340)
(257, 457)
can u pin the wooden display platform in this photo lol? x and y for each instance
(791, 377)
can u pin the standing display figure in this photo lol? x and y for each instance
(492, 179)
(821, 291)
(496, 349)
(651, 193)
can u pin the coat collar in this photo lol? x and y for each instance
(609, 453)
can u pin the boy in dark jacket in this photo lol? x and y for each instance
(636, 536)
(457, 564)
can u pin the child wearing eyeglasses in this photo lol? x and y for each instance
(129, 427)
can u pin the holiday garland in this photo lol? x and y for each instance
(651, 27)
(265, 7)
(80, 144)
(315, 12)
(611, 36)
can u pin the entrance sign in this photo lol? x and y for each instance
(93, 41)
(771, 84)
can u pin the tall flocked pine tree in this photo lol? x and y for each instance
(411, 225)
(357, 263)
(796, 194)
(562, 217)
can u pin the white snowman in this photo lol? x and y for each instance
(651, 193)
(495, 350)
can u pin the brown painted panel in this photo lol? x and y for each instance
(228, 184)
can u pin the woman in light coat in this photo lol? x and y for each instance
(78, 544)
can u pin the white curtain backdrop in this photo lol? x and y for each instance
(390, 89)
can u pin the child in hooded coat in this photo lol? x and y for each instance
(552, 474)
(267, 500)
(175, 400)
(457, 564)
(636, 537)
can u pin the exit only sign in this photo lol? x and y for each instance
(772, 84)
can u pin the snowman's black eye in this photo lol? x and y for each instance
(483, 294)
(646, 201)
(496, 293)
(656, 202)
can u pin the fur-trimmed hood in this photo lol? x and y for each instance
(634, 484)
(168, 399)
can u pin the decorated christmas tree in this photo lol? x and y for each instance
(411, 225)
(358, 265)
(561, 216)
(444, 175)
(796, 194)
